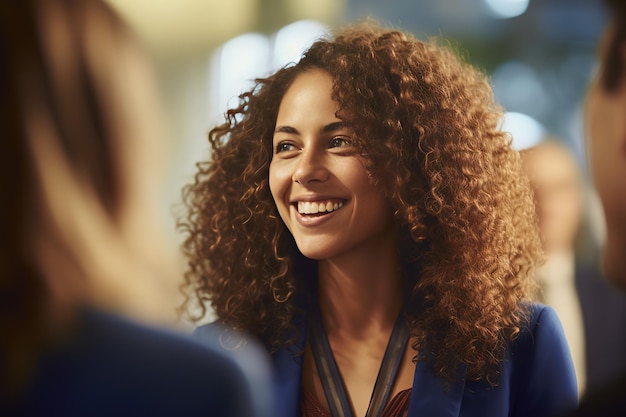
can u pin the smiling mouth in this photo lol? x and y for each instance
(318, 207)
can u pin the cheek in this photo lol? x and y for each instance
(372, 198)
(278, 186)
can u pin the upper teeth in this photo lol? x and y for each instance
(313, 207)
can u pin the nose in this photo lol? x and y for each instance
(311, 168)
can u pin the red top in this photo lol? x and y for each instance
(398, 406)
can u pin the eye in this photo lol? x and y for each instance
(340, 142)
(284, 147)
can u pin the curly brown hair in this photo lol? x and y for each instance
(431, 131)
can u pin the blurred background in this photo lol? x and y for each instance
(540, 55)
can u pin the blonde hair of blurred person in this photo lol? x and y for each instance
(81, 169)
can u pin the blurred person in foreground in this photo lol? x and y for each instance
(605, 115)
(570, 279)
(79, 251)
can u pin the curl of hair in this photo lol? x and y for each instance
(429, 126)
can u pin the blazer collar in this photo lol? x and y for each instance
(288, 364)
(430, 396)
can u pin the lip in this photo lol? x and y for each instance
(308, 220)
(312, 198)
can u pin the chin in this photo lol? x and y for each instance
(313, 254)
(316, 251)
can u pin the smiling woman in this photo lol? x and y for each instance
(364, 216)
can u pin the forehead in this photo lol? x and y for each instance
(308, 96)
(315, 77)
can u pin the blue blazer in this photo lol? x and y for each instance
(537, 379)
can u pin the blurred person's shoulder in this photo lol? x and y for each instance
(115, 366)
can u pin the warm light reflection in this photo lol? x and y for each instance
(175, 26)
(324, 10)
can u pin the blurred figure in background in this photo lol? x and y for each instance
(79, 170)
(570, 279)
(605, 117)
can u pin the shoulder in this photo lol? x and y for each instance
(143, 370)
(158, 343)
(542, 333)
(241, 347)
(540, 311)
(189, 374)
(247, 355)
(540, 364)
(542, 319)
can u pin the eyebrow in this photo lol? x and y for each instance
(286, 129)
(331, 127)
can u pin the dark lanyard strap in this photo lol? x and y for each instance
(330, 377)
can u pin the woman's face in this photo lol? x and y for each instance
(318, 179)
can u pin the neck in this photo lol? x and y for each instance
(360, 296)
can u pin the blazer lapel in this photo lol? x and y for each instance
(288, 364)
(430, 397)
